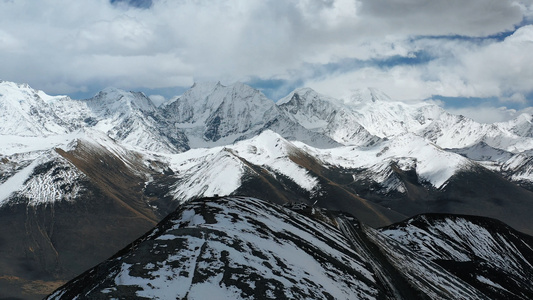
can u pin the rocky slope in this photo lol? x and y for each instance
(246, 248)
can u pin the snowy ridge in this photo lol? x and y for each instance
(210, 112)
(326, 115)
(218, 171)
(407, 151)
(521, 126)
(372, 114)
(132, 119)
(271, 150)
(246, 248)
(366, 116)
(206, 173)
(235, 248)
(483, 152)
(310, 109)
(465, 245)
(214, 115)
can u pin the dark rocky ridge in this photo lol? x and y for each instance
(252, 249)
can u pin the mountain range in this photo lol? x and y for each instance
(81, 179)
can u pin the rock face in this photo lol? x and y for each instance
(246, 248)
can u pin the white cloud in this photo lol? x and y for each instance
(505, 66)
(8, 42)
(486, 114)
(460, 68)
(516, 97)
(157, 99)
(122, 35)
(430, 17)
(65, 46)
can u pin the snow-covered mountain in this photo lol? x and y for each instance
(246, 248)
(368, 114)
(211, 114)
(132, 119)
(326, 115)
(104, 161)
(27, 112)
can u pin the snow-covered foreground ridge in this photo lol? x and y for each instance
(246, 248)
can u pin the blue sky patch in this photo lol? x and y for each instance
(134, 3)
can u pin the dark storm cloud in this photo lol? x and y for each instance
(455, 17)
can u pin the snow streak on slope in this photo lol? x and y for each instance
(44, 177)
(433, 280)
(520, 167)
(15, 182)
(47, 179)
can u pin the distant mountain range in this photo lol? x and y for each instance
(80, 179)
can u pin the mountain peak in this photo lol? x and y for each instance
(305, 95)
(14, 85)
(207, 85)
(115, 99)
(16, 91)
(24, 112)
(366, 95)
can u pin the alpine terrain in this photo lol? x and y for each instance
(82, 179)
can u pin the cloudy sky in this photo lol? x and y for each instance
(474, 57)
